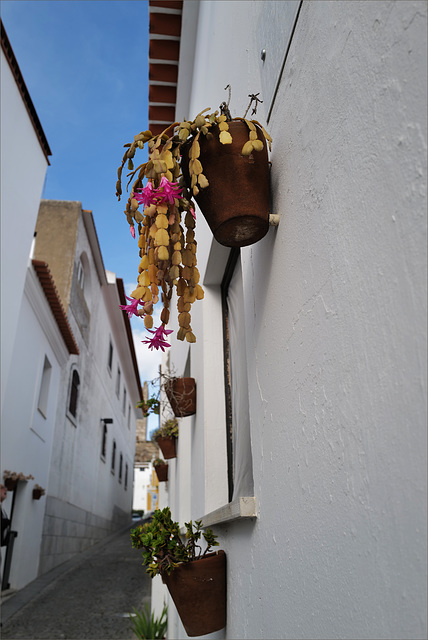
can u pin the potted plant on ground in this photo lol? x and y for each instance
(166, 437)
(222, 162)
(196, 580)
(161, 468)
(147, 626)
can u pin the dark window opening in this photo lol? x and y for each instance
(74, 393)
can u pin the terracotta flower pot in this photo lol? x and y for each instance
(10, 484)
(162, 472)
(37, 494)
(198, 590)
(236, 203)
(181, 393)
(168, 446)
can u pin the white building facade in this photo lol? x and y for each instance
(325, 531)
(20, 129)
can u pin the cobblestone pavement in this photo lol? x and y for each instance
(89, 601)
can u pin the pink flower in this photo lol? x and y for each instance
(168, 191)
(158, 341)
(192, 211)
(146, 195)
(131, 309)
(132, 230)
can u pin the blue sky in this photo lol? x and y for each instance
(85, 64)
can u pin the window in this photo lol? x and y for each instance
(110, 356)
(74, 393)
(118, 382)
(113, 457)
(126, 476)
(104, 442)
(240, 466)
(81, 275)
(124, 401)
(120, 467)
(44, 387)
(129, 416)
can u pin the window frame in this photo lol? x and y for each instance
(73, 396)
(42, 403)
(232, 261)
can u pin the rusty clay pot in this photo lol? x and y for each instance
(181, 393)
(10, 484)
(162, 472)
(168, 446)
(198, 590)
(236, 203)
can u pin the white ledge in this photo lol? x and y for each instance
(236, 510)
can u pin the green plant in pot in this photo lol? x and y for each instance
(220, 161)
(196, 579)
(151, 405)
(149, 627)
(166, 437)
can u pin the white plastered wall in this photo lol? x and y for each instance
(22, 162)
(335, 319)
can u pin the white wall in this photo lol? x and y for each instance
(335, 319)
(27, 434)
(19, 206)
(86, 500)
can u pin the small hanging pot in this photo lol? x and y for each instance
(37, 494)
(181, 393)
(236, 203)
(168, 446)
(11, 484)
(198, 590)
(162, 472)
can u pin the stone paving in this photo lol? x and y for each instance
(88, 598)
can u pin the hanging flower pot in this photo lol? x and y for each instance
(167, 445)
(11, 483)
(181, 393)
(220, 161)
(236, 203)
(196, 579)
(37, 494)
(198, 590)
(162, 472)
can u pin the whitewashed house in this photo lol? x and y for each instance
(325, 523)
(20, 129)
(91, 473)
(70, 380)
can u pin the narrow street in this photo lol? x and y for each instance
(89, 599)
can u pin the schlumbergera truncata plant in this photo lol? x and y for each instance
(164, 187)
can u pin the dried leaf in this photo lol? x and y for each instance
(203, 182)
(163, 253)
(225, 137)
(162, 239)
(195, 150)
(162, 221)
(148, 322)
(247, 148)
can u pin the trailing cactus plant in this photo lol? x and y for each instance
(166, 224)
